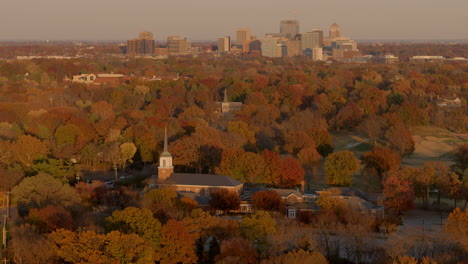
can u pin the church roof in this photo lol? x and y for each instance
(201, 180)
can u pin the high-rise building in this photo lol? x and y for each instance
(146, 35)
(289, 28)
(224, 44)
(177, 45)
(271, 47)
(144, 45)
(311, 40)
(293, 47)
(334, 31)
(243, 35)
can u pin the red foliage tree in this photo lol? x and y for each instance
(398, 193)
(291, 172)
(381, 160)
(224, 200)
(266, 200)
(237, 251)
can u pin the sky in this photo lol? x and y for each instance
(210, 19)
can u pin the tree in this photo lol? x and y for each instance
(224, 200)
(309, 156)
(29, 247)
(298, 257)
(42, 190)
(257, 227)
(127, 151)
(27, 149)
(266, 200)
(291, 172)
(397, 193)
(381, 160)
(400, 139)
(89, 247)
(237, 251)
(50, 218)
(128, 248)
(59, 169)
(161, 202)
(83, 247)
(177, 244)
(457, 227)
(461, 157)
(373, 126)
(329, 199)
(339, 167)
(138, 221)
(65, 140)
(8, 179)
(242, 166)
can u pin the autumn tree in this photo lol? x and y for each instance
(373, 127)
(42, 190)
(9, 178)
(30, 247)
(237, 251)
(400, 140)
(330, 199)
(461, 157)
(257, 227)
(27, 149)
(50, 218)
(291, 172)
(457, 227)
(224, 200)
(161, 202)
(266, 200)
(339, 167)
(138, 221)
(298, 257)
(397, 193)
(177, 244)
(242, 166)
(381, 160)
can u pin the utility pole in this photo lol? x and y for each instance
(8, 204)
(4, 232)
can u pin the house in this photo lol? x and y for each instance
(296, 202)
(100, 78)
(84, 78)
(195, 186)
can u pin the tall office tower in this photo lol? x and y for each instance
(144, 45)
(243, 35)
(311, 41)
(271, 47)
(293, 47)
(132, 45)
(177, 45)
(224, 44)
(334, 31)
(318, 37)
(289, 28)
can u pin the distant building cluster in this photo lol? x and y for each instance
(289, 42)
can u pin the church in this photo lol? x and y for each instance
(195, 186)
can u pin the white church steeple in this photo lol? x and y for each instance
(165, 168)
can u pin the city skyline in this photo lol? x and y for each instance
(208, 20)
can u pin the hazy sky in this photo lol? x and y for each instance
(210, 19)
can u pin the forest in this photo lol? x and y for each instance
(60, 140)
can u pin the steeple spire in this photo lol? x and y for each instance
(165, 152)
(165, 139)
(225, 95)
